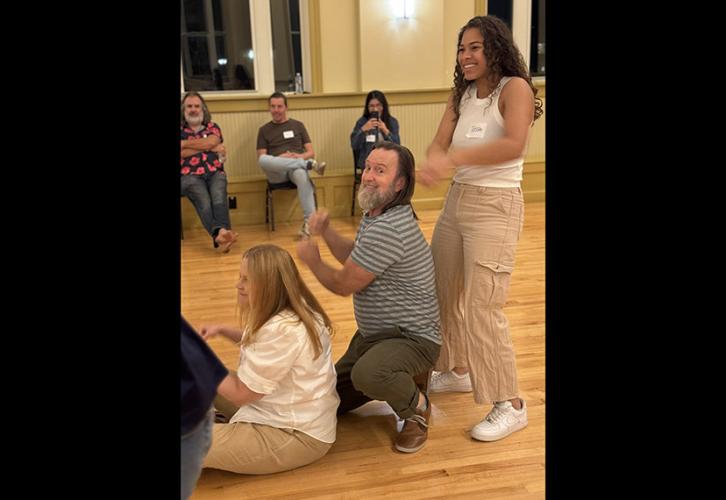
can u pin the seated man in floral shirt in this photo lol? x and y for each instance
(203, 179)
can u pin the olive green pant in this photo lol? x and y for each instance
(382, 367)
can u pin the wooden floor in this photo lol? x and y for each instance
(363, 463)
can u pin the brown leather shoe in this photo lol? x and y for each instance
(415, 430)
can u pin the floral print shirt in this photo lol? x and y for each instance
(204, 161)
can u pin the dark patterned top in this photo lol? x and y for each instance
(204, 161)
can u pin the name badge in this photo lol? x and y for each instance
(288, 134)
(476, 131)
(371, 138)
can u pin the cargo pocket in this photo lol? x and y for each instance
(492, 283)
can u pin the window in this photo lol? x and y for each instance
(526, 19)
(220, 41)
(502, 9)
(537, 47)
(216, 45)
(286, 43)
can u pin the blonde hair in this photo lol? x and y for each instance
(276, 286)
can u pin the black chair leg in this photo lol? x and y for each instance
(181, 220)
(267, 206)
(352, 201)
(272, 212)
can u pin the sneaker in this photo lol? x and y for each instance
(318, 167)
(415, 430)
(500, 422)
(450, 382)
(304, 231)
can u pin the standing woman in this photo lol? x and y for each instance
(482, 138)
(374, 126)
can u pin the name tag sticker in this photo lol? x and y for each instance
(476, 131)
(288, 134)
(371, 138)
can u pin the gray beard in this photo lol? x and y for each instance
(192, 121)
(370, 200)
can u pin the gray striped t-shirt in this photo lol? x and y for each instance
(403, 294)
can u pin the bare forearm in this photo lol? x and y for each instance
(339, 246)
(204, 144)
(308, 153)
(436, 147)
(330, 278)
(186, 152)
(234, 390)
(233, 334)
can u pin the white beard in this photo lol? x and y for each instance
(368, 200)
(194, 121)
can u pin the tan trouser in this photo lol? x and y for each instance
(473, 246)
(247, 448)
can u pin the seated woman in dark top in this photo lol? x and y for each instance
(374, 126)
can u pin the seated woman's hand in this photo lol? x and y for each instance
(209, 331)
(370, 125)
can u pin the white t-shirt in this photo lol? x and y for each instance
(299, 391)
(481, 122)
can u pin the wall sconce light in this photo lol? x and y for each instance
(403, 9)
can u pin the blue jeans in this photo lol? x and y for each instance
(291, 169)
(208, 194)
(194, 447)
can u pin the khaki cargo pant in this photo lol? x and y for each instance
(247, 448)
(473, 246)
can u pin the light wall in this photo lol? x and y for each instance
(339, 48)
(456, 14)
(363, 46)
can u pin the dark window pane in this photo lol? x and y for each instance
(193, 14)
(537, 37)
(502, 9)
(221, 53)
(287, 56)
(199, 55)
(217, 52)
(294, 15)
(217, 10)
(297, 53)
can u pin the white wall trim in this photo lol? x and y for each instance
(522, 26)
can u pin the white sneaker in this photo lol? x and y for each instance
(450, 382)
(318, 167)
(304, 232)
(501, 422)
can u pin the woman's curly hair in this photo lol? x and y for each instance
(502, 58)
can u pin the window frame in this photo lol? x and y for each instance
(522, 32)
(261, 35)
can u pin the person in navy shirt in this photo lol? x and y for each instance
(201, 374)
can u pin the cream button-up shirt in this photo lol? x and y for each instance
(299, 391)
